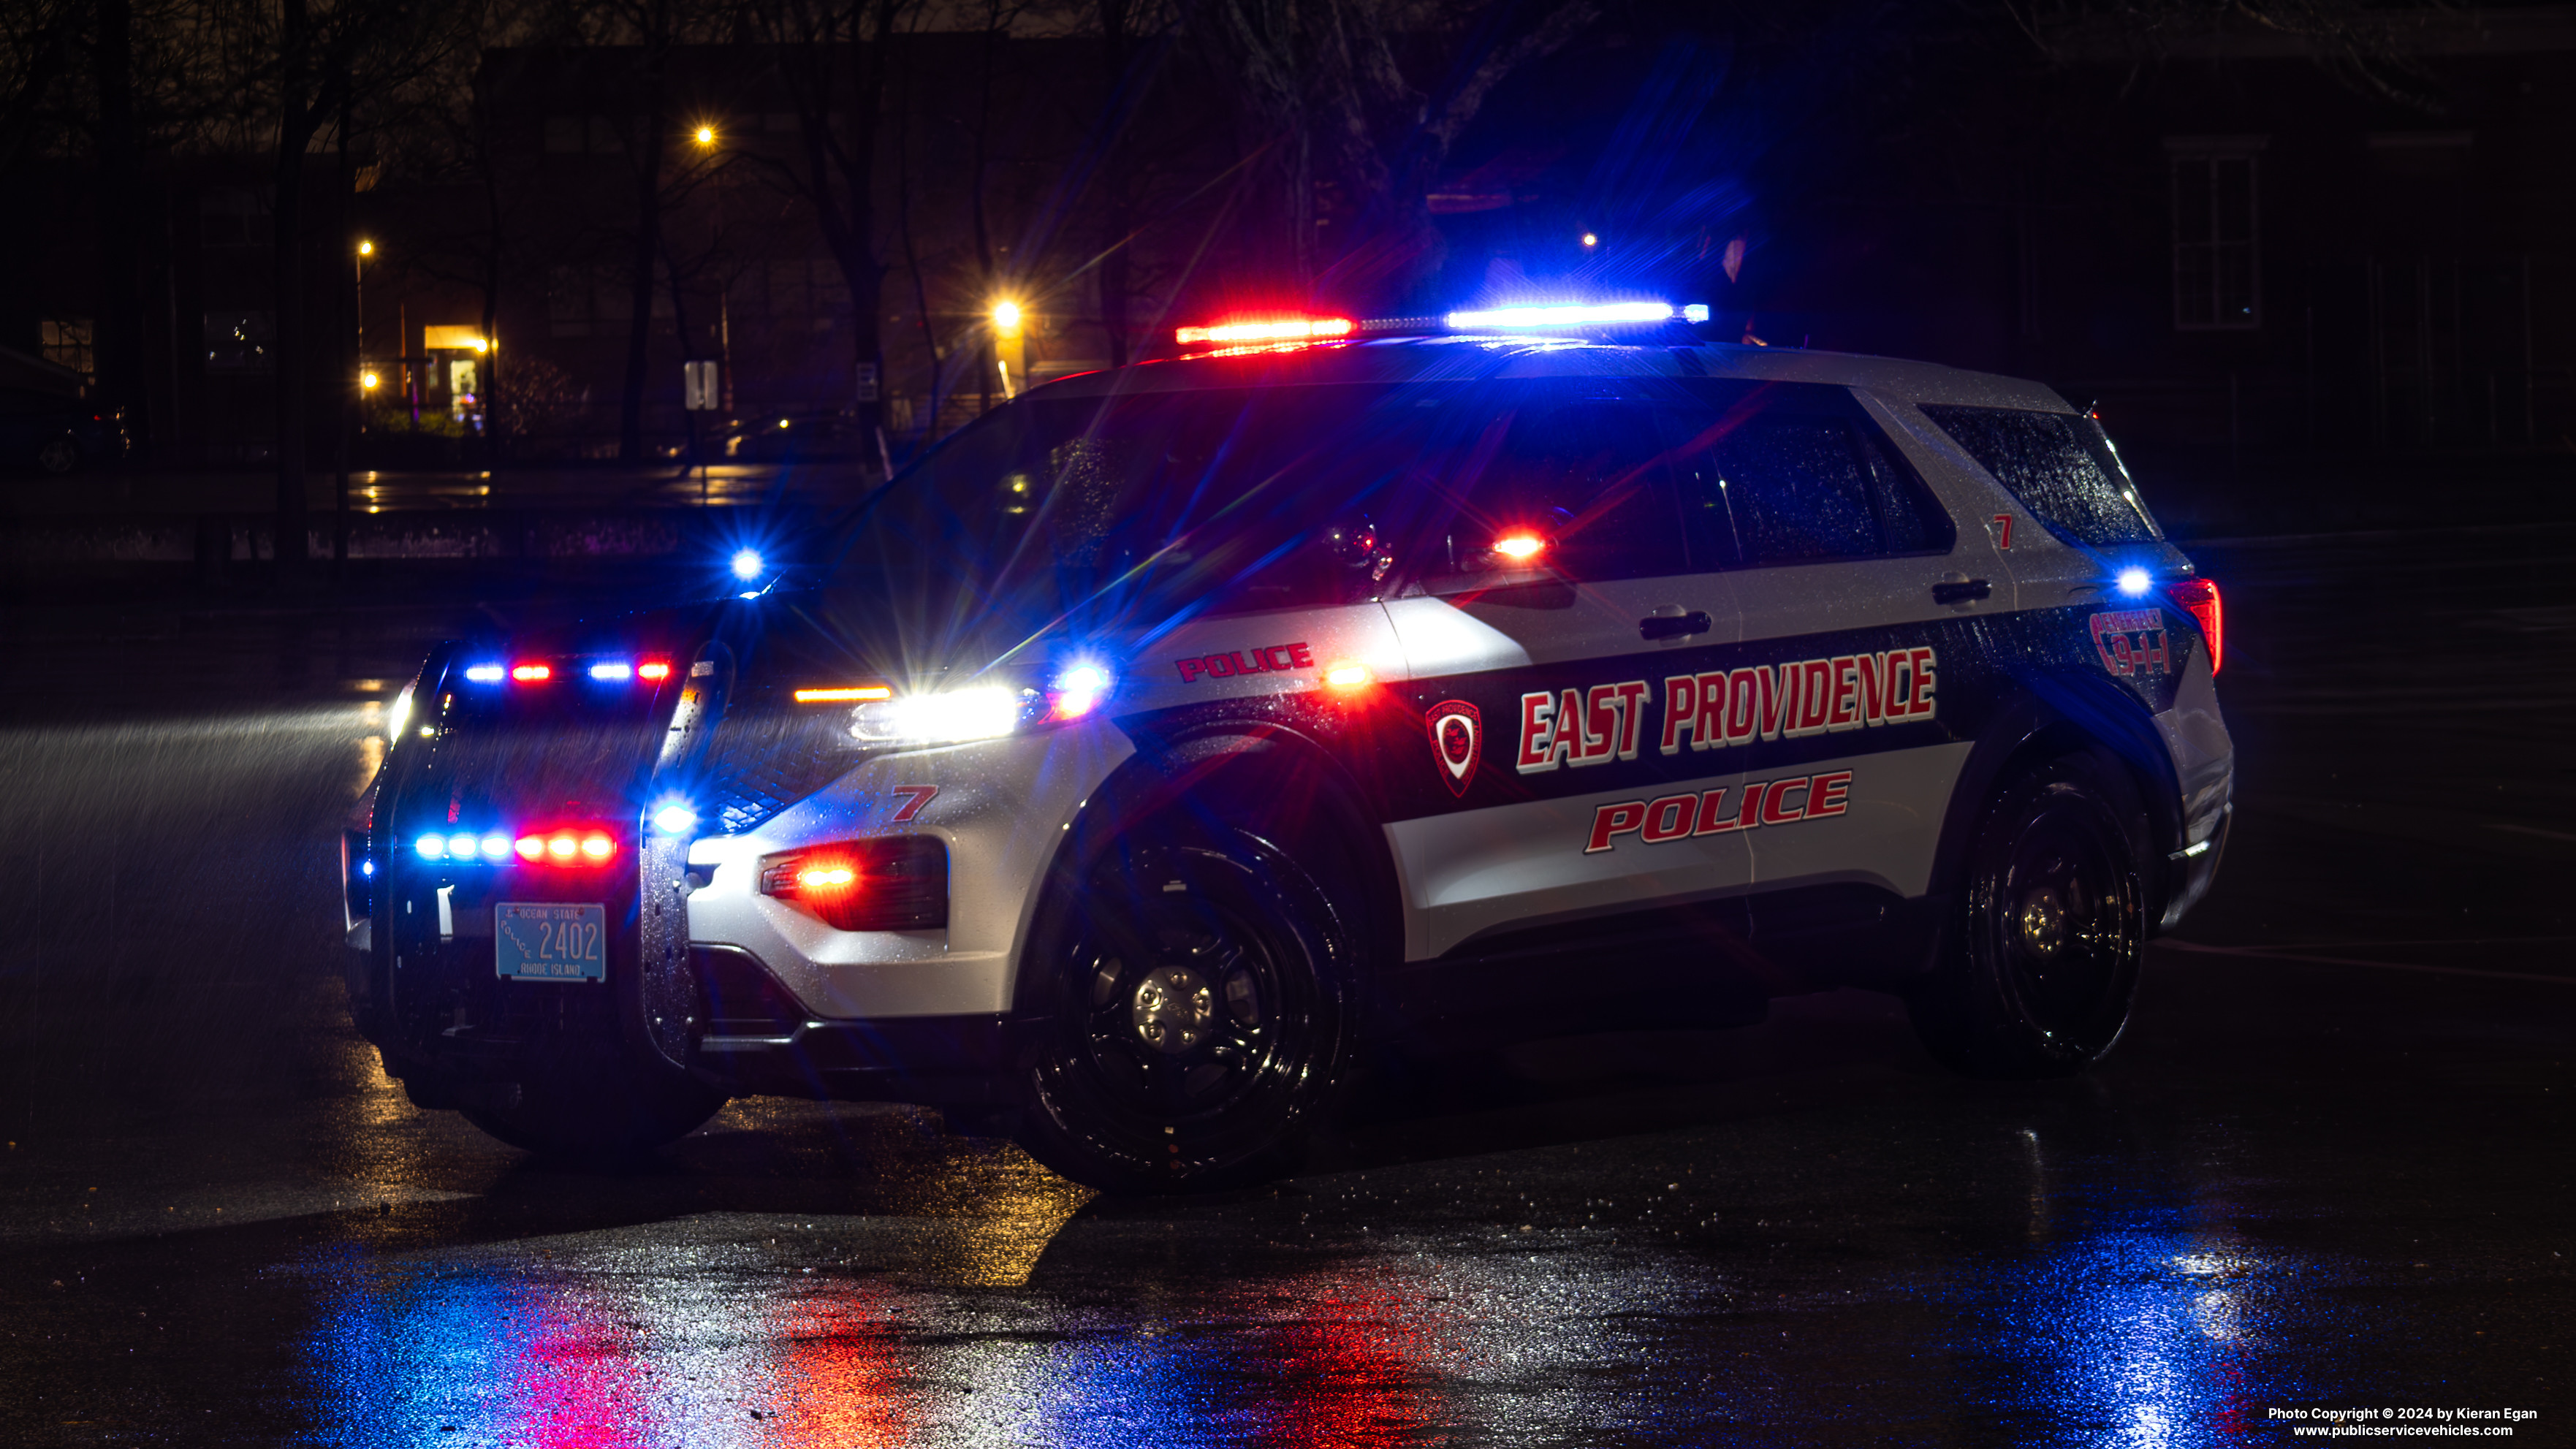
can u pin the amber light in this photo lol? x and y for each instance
(844, 694)
(1347, 675)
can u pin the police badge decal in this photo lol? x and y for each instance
(1457, 739)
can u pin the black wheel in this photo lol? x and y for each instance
(58, 455)
(1201, 1019)
(2040, 966)
(600, 1116)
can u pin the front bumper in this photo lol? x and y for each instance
(1000, 807)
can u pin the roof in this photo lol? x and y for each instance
(1400, 360)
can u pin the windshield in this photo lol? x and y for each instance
(1128, 514)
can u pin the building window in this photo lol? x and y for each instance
(577, 135)
(67, 344)
(2217, 240)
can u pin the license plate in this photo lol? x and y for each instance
(550, 942)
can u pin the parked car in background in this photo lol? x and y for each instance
(55, 434)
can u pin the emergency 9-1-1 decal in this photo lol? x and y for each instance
(2132, 641)
(1457, 741)
(1668, 818)
(1578, 727)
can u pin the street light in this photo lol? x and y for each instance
(1009, 340)
(369, 380)
(706, 135)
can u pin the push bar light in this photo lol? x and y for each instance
(1281, 329)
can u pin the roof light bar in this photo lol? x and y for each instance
(484, 673)
(1570, 315)
(1276, 329)
(845, 694)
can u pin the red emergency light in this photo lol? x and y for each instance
(1267, 329)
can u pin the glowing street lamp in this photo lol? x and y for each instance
(369, 381)
(705, 135)
(1010, 345)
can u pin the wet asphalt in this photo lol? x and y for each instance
(2327, 1170)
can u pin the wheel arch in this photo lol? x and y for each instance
(2054, 714)
(1268, 778)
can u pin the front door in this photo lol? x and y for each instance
(1555, 625)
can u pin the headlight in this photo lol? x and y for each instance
(398, 715)
(982, 711)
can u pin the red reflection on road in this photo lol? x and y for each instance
(840, 1378)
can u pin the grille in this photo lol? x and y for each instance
(770, 753)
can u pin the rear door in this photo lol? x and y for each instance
(1552, 605)
(1861, 604)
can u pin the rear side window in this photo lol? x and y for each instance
(2061, 467)
(1578, 488)
(1799, 476)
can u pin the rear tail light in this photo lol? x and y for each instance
(895, 884)
(2199, 598)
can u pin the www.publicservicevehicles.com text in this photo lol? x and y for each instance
(2409, 1423)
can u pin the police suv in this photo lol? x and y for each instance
(1176, 737)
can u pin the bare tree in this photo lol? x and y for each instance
(834, 58)
(310, 66)
(1355, 137)
(2370, 46)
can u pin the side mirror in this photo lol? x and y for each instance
(1356, 547)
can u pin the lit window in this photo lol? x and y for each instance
(67, 344)
(2217, 241)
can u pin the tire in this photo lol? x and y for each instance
(2039, 967)
(605, 1117)
(58, 456)
(1201, 1018)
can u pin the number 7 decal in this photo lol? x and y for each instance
(2003, 530)
(916, 796)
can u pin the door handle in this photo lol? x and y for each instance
(1673, 626)
(1961, 592)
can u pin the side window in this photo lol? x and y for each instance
(2059, 465)
(1804, 486)
(1576, 488)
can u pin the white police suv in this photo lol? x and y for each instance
(1175, 735)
